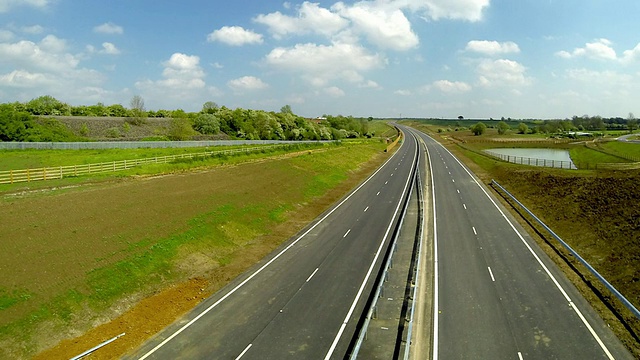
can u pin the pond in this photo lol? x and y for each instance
(532, 156)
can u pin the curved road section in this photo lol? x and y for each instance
(305, 300)
(496, 294)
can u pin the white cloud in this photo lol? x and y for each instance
(311, 18)
(631, 55)
(370, 84)
(334, 91)
(606, 77)
(6, 35)
(109, 49)
(402, 92)
(109, 28)
(182, 83)
(25, 79)
(492, 48)
(34, 29)
(469, 10)
(384, 27)
(7, 5)
(502, 72)
(319, 64)
(235, 36)
(48, 55)
(599, 49)
(451, 87)
(247, 83)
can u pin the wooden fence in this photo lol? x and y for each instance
(59, 172)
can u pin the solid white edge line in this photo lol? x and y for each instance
(366, 278)
(232, 291)
(310, 276)
(434, 352)
(491, 273)
(244, 351)
(555, 281)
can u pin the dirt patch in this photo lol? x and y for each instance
(140, 319)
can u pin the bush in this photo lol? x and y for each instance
(478, 129)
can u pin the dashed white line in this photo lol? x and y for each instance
(386, 182)
(520, 356)
(458, 190)
(365, 209)
(378, 193)
(474, 230)
(347, 233)
(314, 272)
(244, 351)
(465, 206)
(454, 180)
(491, 273)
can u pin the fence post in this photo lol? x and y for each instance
(60, 172)
(44, 173)
(11, 176)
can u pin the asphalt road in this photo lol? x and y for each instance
(497, 295)
(305, 299)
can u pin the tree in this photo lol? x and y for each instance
(503, 127)
(286, 109)
(138, 112)
(632, 122)
(180, 128)
(460, 117)
(523, 128)
(209, 107)
(478, 129)
(206, 124)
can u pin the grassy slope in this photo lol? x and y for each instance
(225, 223)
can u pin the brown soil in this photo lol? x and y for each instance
(142, 316)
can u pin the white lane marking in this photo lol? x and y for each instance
(347, 233)
(458, 190)
(310, 276)
(261, 269)
(386, 182)
(391, 174)
(520, 356)
(378, 193)
(365, 209)
(465, 206)
(244, 351)
(544, 267)
(491, 273)
(371, 267)
(474, 230)
(454, 180)
(435, 263)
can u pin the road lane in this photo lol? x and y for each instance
(303, 302)
(498, 294)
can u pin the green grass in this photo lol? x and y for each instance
(220, 233)
(584, 157)
(623, 149)
(32, 158)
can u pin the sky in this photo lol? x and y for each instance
(383, 58)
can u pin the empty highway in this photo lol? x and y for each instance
(496, 294)
(304, 301)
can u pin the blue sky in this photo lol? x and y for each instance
(384, 58)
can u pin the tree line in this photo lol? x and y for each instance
(35, 121)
